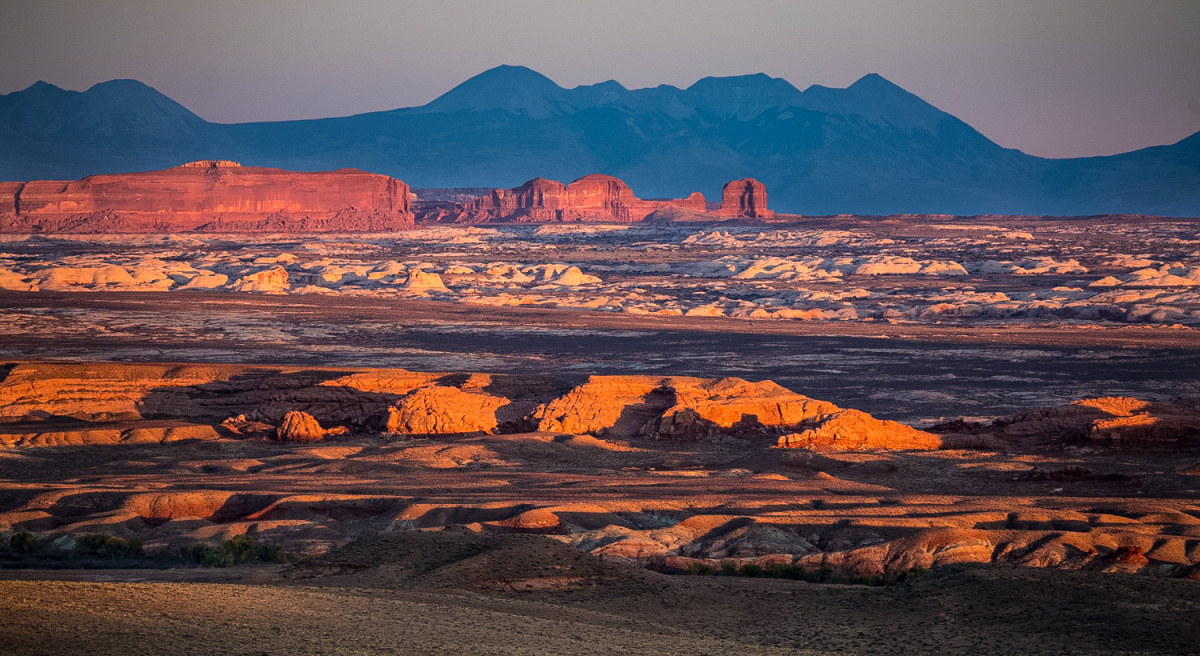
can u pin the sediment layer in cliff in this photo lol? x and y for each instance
(593, 198)
(208, 196)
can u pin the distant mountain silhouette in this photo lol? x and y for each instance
(871, 148)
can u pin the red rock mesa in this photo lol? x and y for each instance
(600, 198)
(210, 196)
(745, 198)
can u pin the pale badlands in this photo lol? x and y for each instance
(899, 271)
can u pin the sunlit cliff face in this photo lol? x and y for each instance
(192, 197)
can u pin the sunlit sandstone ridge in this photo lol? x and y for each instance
(224, 196)
(595, 198)
(211, 196)
(668, 471)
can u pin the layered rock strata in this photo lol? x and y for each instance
(209, 196)
(592, 198)
(301, 402)
(666, 499)
(1099, 422)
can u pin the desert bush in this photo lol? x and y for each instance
(701, 569)
(237, 550)
(107, 546)
(798, 573)
(23, 542)
(750, 569)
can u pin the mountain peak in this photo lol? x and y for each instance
(41, 86)
(755, 81)
(743, 96)
(876, 99)
(509, 74)
(517, 89)
(123, 85)
(873, 80)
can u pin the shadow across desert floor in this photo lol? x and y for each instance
(456, 591)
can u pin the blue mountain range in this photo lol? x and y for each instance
(871, 148)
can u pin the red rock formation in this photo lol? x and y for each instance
(599, 198)
(9, 192)
(537, 201)
(445, 410)
(299, 427)
(854, 430)
(209, 196)
(1106, 421)
(745, 198)
(697, 408)
(694, 202)
(604, 198)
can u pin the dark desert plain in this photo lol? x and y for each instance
(726, 368)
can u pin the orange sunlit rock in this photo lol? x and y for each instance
(209, 196)
(745, 198)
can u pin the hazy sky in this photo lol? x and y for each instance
(1057, 78)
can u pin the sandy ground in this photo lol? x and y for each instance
(953, 611)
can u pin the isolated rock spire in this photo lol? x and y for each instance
(745, 198)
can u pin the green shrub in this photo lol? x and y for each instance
(23, 542)
(798, 573)
(701, 569)
(236, 551)
(785, 571)
(107, 546)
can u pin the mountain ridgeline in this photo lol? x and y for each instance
(871, 148)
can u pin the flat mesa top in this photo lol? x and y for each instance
(210, 164)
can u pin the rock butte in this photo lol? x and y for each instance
(224, 196)
(745, 198)
(592, 198)
(209, 196)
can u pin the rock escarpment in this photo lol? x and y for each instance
(112, 398)
(307, 405)
(209, 196)
(680, 408)
(441, 410)
(592, 198)
(1099, 422)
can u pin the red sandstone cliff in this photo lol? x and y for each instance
(212, 197)
(600, 198)
(745, 198)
